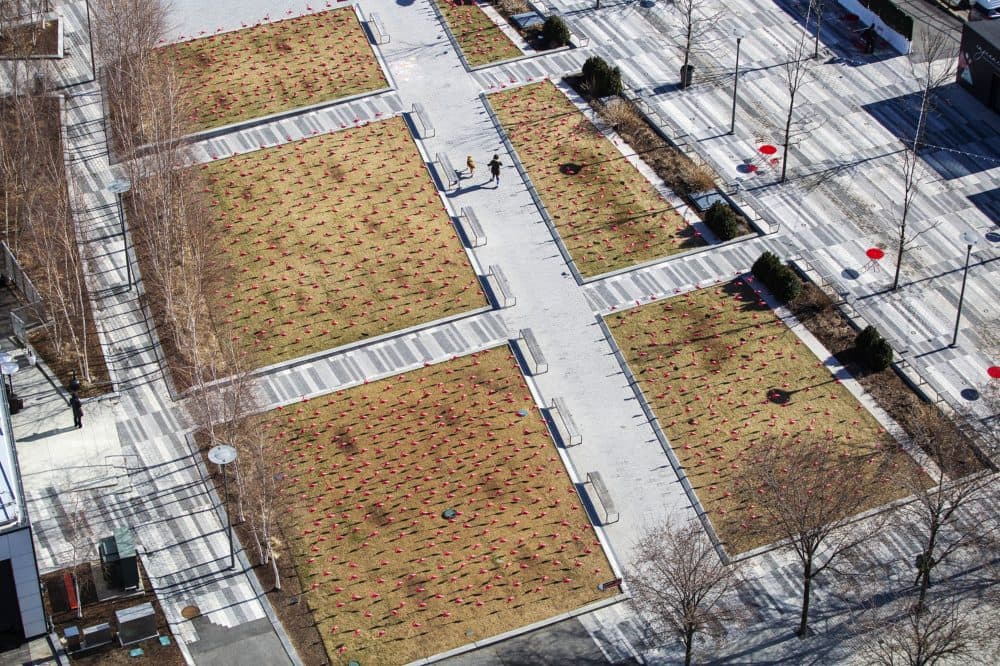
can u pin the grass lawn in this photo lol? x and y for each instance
(608, 215)
(708, 363)
(334, 239)
(370, 471)
(275, 67)
(479, 37)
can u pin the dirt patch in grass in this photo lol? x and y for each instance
(607, 214)
(335, 239)
(370, 471)
(275, 67)
(817, 313)
(477, 35)
(723, 374)
(40, 38)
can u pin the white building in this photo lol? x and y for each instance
(21, 613)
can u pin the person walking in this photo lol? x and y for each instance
(471, 163)
(494, 166)
(77, 407)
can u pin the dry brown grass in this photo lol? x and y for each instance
(370, 471)
(478, 36)
(708, 363)
(607, 214)
(335, 239)
(275, 67)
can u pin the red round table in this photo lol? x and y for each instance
(875, 253)
(768, 149)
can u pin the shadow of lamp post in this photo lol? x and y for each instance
(739, 34)
(222, 455)
(120, 187)
(970, 240)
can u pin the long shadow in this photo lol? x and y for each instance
(960, 137)
(988, 203)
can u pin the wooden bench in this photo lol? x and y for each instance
(418, 113)
(447, 171)
(378, 30)
(601, 490)
(532, 352)
(565, 424)
(471, 228)
(497, 282)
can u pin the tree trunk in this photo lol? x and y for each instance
(788, 131)
(806, 590)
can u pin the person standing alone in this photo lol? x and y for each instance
(77, 407)
(494, 166)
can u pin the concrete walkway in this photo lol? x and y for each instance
(840, 199)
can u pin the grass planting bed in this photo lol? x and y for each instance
(274, 67)
(40, 38)
(334, 239)
(480, 39)
(723, 374)
(606, 212)
(371, 470)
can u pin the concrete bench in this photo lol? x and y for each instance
(497, 282)
(565, 424)
(446, 170)
(601, 490)
(418, 114)
(578, 41)
(532, 352)
(378, 30)
(471, 228)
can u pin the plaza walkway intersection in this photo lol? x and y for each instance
(841, 198)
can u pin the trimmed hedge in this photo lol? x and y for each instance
(555, 32)
(893, 16)
(873, 351)
(777, 277)
(601, 78)
(721, 219)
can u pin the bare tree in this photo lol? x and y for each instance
(695, 24)
(679, 582)
(933, 66)
(942, 634)
(816, 8)
(796, 72)
(951, 513)
(808, 497)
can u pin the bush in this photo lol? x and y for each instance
(777, 277)
(555, 31)
(721, 219)
(873, 350)
(601, 78)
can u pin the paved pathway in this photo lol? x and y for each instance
(838, 202)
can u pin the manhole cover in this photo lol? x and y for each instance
(190, 612)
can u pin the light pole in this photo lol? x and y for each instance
(970, 240)
(222, 455)
(739, 34)
(120, 187)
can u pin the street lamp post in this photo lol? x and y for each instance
(970, 241)
(739, 35)
(222, 455)
(120, 187)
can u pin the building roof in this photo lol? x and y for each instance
(988, 29)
